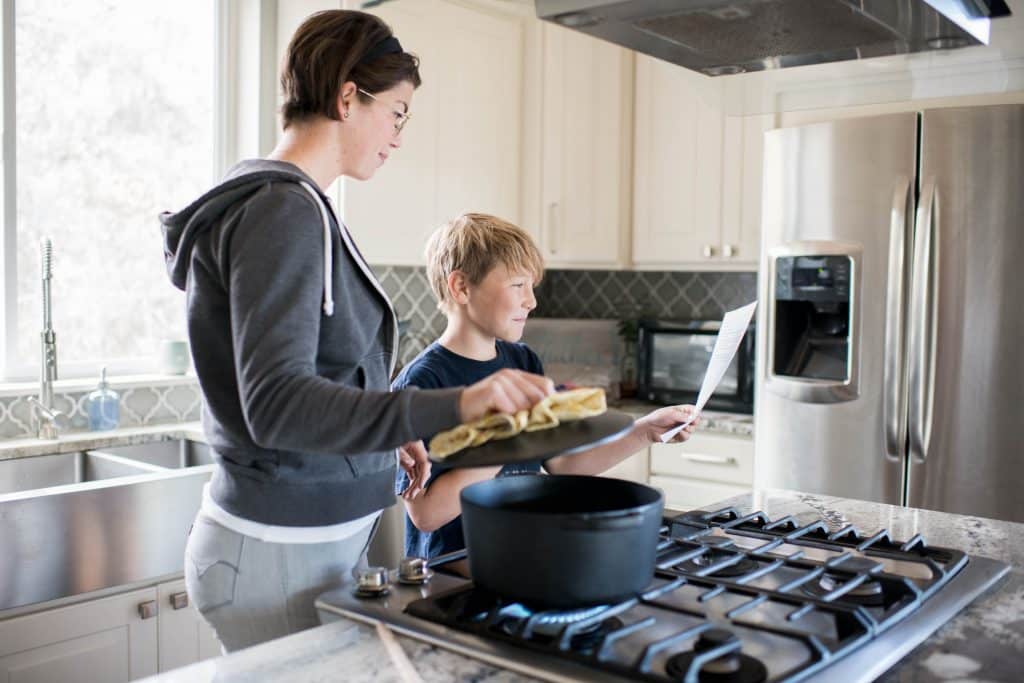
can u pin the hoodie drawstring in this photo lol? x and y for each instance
(328, 252)
(346, 239)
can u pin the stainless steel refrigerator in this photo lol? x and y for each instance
(891, 362)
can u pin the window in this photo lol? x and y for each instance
(113, 117)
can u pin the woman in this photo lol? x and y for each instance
(294, 344)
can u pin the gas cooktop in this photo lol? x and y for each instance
(734, 599)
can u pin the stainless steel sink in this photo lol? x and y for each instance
(45, 471)
(174, 454)
(77, 522)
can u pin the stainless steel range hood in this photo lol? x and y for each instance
(721, 37)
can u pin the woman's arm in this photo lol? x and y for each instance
(273, 272)
(272, 265)
(647, 430)
(439, 503)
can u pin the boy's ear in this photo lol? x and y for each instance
(458, 287)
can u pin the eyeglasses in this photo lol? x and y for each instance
(401, 117)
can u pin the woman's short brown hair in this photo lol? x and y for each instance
(326, 52)
(474, 244)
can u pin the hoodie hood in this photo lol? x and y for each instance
(182, 228)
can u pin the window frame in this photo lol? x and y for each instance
(233, 49)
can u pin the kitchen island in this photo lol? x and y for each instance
(985, 642)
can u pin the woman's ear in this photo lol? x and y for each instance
(458, 287)
(346, 95)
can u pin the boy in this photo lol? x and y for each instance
(482, 270)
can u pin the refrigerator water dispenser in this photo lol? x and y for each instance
(812, 323)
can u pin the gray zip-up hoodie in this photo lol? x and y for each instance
(296, 402)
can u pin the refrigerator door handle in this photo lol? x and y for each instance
(923, 323)
(895, 398)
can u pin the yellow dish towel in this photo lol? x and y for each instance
(564, 406)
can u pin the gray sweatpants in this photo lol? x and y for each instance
(251, 591)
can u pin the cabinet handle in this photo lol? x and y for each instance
(179, 600)
(553, 227)
(708, 251)
(728, 251)
(709, 459)
(148, 609)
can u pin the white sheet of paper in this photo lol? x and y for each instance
(734, 326)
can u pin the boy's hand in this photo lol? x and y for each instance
(506, 391)
(412, 457)
(656, 423)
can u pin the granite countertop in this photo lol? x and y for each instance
(985, 642)
(714, 422)
(79, 441)
(340, 651)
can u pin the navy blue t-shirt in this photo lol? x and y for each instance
(439, 368)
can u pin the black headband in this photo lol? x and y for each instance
(388, 46)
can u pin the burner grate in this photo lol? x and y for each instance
(724, 580)
(855, 563)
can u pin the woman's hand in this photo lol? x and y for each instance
(656, 423)
(506, 391)
(412, 457)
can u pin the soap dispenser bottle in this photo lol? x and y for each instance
(104, 406)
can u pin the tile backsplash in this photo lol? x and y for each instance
(605, 294)
(148, 402)
(620, 294)
(600, 294)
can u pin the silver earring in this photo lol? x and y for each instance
(345, 115)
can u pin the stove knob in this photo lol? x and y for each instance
(372, 579)
(413, 570)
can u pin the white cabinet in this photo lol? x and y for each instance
(706, 469)
(634, 468)
(677, 165)
(105, 640)
(585, 149)
(692, 494)
(742, 176)
(609, 159)
(116, 638)
(461, 148)
(697, 173)
(185, 637)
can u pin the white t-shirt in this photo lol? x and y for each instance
(273, 533)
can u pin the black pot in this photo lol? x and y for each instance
(561, 541)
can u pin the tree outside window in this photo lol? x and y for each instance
(114, 123)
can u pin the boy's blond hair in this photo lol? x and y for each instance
(474, 244)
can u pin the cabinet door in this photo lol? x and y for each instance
(478, 132)
(585, 150)
(677, 167)
(185, 638)
(391, 215)
(461, 149)
(101, 640)
(633, 468)
(743, 157)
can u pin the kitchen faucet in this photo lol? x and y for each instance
(48, 419)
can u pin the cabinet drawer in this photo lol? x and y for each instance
(715, 457)
(690, 494)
